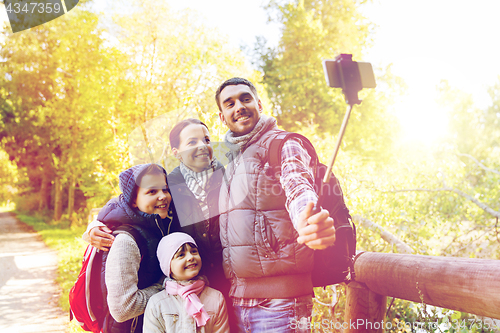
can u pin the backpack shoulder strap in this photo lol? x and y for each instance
(276, 147)
(136, 235)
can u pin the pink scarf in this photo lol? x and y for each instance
(194, 307)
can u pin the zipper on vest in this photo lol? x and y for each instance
(158, 225)
(169, 225)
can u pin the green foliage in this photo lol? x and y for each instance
(50, 77)
(69, 98)
(295, 81)
(412, 195)
(329, 305)
(472, 131)
(410, 317)
(175, 64)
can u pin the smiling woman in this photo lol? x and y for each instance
(192, 145)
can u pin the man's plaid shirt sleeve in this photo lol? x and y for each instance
(297, 178)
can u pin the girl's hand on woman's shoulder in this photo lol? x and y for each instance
(101, 238)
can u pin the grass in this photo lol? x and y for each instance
(70, 248)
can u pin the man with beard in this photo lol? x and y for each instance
(268, 230)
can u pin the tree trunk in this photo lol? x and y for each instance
(71, 195)
(44, 199)
(58, 199)
(71, 198)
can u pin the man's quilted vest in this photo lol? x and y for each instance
(261, 254)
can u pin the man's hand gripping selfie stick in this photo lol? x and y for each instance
(351, 76)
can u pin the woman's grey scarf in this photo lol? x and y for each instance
(239, 143)
(196, 183)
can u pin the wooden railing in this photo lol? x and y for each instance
(467, 285)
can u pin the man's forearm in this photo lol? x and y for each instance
(297, 178)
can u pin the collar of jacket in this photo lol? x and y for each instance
(124, 214)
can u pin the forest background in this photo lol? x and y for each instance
(83, 97)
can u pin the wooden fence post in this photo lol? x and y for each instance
(365, 310)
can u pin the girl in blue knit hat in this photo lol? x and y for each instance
(132, 272)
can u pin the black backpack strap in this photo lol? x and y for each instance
(275, 163)
(276, 146)
(136, 235)
(274, 152)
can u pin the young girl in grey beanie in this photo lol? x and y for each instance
(187, 304)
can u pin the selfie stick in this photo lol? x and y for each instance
(346, 74)
(328, 173)
(326, 179)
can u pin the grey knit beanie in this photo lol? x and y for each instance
(128, 180)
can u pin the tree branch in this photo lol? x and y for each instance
(478, 203)
(401, 246)
(479, 163)
(463, 247)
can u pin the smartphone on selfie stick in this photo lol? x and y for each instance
(351, 76)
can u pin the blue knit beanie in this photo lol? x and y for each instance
(129, 180)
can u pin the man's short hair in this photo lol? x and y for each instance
(233, 82)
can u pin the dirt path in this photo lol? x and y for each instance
(28, 293)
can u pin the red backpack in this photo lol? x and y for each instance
(80, 293)
(87, 297)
